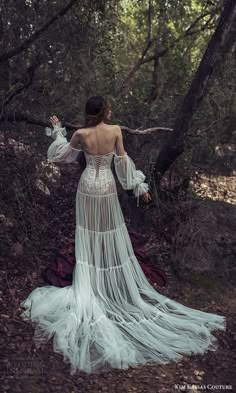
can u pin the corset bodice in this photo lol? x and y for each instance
(99, 161)
(97, 177)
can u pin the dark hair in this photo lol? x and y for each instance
(95, 110)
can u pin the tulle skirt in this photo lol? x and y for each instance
(111, 317)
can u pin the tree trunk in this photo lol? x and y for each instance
(4, 66)
(161, 38)
(220, 43)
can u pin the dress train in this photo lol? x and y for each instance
(111, 317)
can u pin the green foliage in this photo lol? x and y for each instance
(92, 49)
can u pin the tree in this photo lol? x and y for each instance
(220, 43)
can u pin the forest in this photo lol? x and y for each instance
(168, 69)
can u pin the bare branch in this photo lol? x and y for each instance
(135, 68)
(142, 60)
(188, 32)
(149, 42)
(31, 120)
(149, 20)
(22, 85)
(147, 131)
(24, 45)
(161, 34)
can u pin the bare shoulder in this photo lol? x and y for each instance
(117, 129)
(77, 137)
(79, 134)
(112, 127)
(80, 131)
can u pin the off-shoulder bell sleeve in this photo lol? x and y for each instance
(130, 177)
(60, 150)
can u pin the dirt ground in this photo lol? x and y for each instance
(27, 369)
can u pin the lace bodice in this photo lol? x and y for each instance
(97, 177)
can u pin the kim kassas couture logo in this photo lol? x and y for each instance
(186, 387)
(20, 368)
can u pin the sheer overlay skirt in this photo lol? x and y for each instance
(111, 316)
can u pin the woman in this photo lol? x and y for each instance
(110, 316)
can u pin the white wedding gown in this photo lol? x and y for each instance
(111, 317)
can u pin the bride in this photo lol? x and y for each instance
(110, 317)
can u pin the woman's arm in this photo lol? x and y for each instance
(119, 142)
(61, 150)
(75, 139)
(128, 175)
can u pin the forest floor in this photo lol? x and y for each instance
(25, 369)
(30, 370)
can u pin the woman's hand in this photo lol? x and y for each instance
(147, 197)
(55, 121)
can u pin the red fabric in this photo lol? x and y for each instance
(59, 272)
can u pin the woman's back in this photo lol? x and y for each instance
(101, 139)
(98, 140)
